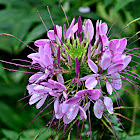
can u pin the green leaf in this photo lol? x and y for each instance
(12, 135)
(20, 30)
(3, 74)
(34, 133)
(119, 5)
(136, 137)
(108, 2)
(9, 14)
(11, 89)
(10, 118)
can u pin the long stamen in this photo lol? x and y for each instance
(42, 21)
(50, 15)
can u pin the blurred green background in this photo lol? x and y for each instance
(20, 18)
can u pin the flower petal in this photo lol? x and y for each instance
(109, 104)
(73, 100)
(59, 31)
(123, 43)
(98, 109)
(106, 60)
(65, 107)
(103, 28)
(41, 42)
(91, 83)
(109, 88)
(112, 46)
(92, 66)
(87, 105)
(59, 113)
(41, 102)
(115, 68)
(60, 79)
(94, 94)
(35, 77)
(30, 88)
(88, 76)
(57, 84)
(56, 105)
(42, 89)
(69, 29)
(73, 112)
(35, 98)
(66, 120)
(50, 34)
(82, 113)
(81, 92)
(90, 29)
(126, 61)
(116, 81)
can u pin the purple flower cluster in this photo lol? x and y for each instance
(72, 66)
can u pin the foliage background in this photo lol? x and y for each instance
(20, 18)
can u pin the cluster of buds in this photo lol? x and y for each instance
(72, 70)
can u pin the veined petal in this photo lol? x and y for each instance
(50, 34)
(59, 114)
(92, 66)
(94, 94)
(41, 102)
(91, 83)
(123, 43)
(109, 88)
(42, 89)
(57, 84)
(82, 113)
(66, 120)
(30, 89)
(56, 105)
(106, 60)
(73, 100)
(112, 46)
(126, 60)
(103, 28)
(65, 107)
(90, 29)
(59, 31)
(98, 109)
(75, 28)
(87, 105)
(109, 104)
(69, 29)
(35, 77)
(60, 79)
(117, 57)
(60, 86)
(73, 112)
(46, 84)
(104, 40)
(65, 95)
(33, 55)
(35, 98)
(88, 76)
(46, 60)
(41, 42)
(115, 68)
(81, 92)
(47, 50)
(116, 81)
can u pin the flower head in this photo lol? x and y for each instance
(72, 68)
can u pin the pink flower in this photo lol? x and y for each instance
(100, 105)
